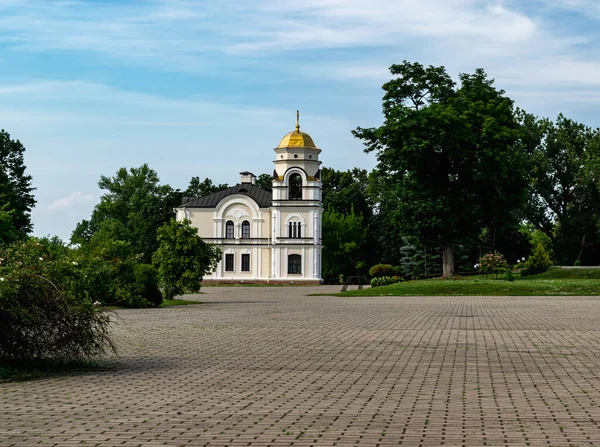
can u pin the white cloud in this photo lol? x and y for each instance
(73, 199)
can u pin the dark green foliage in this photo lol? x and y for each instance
(380, 270)
(564, 273)
(347, 192)
(183, 258)
(147, 283)
(265, 181)
(509, 275)
(8, 232)
(343, 237)
(350, 247)
(565, 187)
(108, 276)
(16, 192)
(198, 188)
(42, 313)
(447, 155)
(136, 285)
(538, 262)
(417, 263)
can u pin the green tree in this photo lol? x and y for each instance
(8, 232)
(198, 188)
(16, 192)
(343, 237)
(448, 154)
(347, 191)
(565, 187)
(132, 208)
(183, 258)
(265, 181)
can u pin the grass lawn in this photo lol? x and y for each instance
(170, 303)
(554, 282)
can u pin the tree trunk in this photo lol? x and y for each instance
(449, 268)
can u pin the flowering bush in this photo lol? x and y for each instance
(492, 263)
(385, 280)
(42, 312)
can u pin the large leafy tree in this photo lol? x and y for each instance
(449, 155)
(343, 239)
(16, 192)
(183, 258)
(565, 188)
(346, 196)
(132, 208)
(347, 191)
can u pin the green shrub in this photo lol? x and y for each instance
(147, 283)
(577, 263)
(509, 275)
(398, 271)
(117, 281)
(385, 280)
(43, 314)
(379, 270)
(538, 262)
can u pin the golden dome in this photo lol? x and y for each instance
(297, 138)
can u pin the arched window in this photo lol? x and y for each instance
(229, 230)
(245, 230)
(295, 190)
(294, 229)
(294, 264)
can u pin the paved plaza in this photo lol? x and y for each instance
(267, 366)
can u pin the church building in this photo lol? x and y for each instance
(267, 237)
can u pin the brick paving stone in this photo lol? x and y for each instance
(272, 367)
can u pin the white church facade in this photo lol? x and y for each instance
(267, 237)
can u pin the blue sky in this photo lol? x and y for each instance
(208, 88)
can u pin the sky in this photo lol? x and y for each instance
(208, 88)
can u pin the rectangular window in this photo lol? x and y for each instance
(229, 262)
(294, 264)
(246, 262)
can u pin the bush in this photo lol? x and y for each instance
(385, 281)
(493, 263)
(113, 277)
(577, 263)
(147, 283)
(538, 262)
(43, 315)
(379, 270)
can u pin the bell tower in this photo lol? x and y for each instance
(296, 211)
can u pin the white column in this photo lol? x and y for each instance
(305, 264)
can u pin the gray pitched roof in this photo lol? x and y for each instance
(261, 196)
